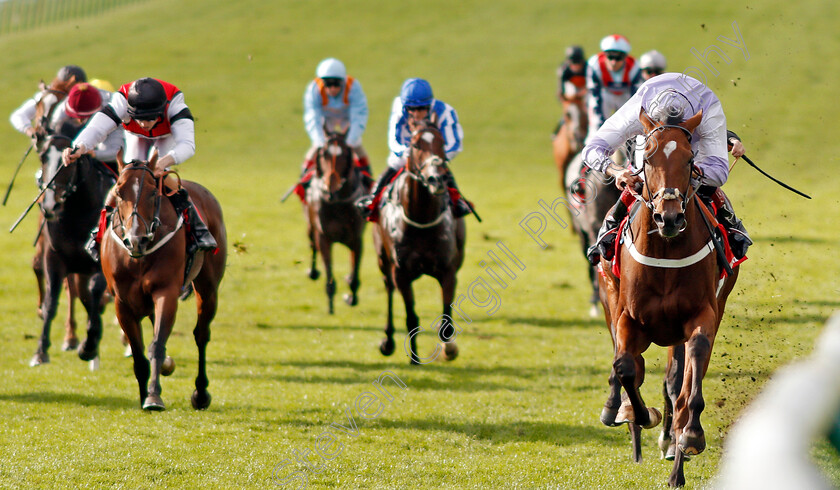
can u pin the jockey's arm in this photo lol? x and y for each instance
(612, 135)
(313, 115)
(595, 99)
(107, 150)
(452, 132)
(734, 144)
(22, 117)
(358, 112)
(396, 125)
(710, 147)
(99, 127)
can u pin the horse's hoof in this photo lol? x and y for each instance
(70, 344)
(39, 358)
(40, 313)
(127, 352)
(450, 351)
(608, 416)
(348, 279)
(625, 414)
(93, 364)
(200, 400)
(153, 403)
(86, 354)
(387, 347)
(593, 311)
(655, 417)
(692, 442)
(168, 366)
(351, 299)
(665, 442)
(313, 274)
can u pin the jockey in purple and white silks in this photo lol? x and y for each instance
(670, 98)
(416, 102)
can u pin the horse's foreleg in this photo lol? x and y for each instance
(698, 350)
(166, 305)
(54, 276)
(412, 322)
(134, 333)
(325, 247)
(446, 330)
(38, 269)
(313, 246)
(352, 299)
(629, 344)
(671, 387)
(387, 346)
(206, 302)
(71, 341)
(90, 295)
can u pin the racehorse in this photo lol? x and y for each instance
(417, 234)
(591, 195)
(70, 208)
(144, 261)
(331, 214)
(670, 291)
(569, 140)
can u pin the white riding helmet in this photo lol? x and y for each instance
(615, 42)
(331, 68)
(652, 59)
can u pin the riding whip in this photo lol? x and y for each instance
(28, 208)
(12, 182)
(288, 192)
(746, 159)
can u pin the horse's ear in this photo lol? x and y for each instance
(154, 159)
(694, 121)
(646, 121)
(120, 161)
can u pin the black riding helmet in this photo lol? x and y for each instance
(66, 72)
(146, 99)
(574, 54)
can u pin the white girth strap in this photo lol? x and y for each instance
(665, 263)
(159, 244)
(420, 225)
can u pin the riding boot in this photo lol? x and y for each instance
(364, 168)
(198, 237)
(368, 204)
(93, 243)
(460, 206)
(306, 173)
(739, 240)
(604, 245)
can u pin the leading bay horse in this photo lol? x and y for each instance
(670, 292)
(417, 234)
(144, 260)
(331, 213)
(70, 208)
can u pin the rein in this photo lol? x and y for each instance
(150, 227)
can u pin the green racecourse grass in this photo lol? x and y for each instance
(519, 408)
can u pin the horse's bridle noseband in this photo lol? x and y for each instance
(149, 227)
(666, 193)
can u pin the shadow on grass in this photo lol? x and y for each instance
(557, 322)
(72, 399)
(793, 239)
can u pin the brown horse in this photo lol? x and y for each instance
(569, 140)
(144, 261)
(331, 214)
(417, 234)
(670, 293)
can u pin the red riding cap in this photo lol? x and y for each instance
(83, 101)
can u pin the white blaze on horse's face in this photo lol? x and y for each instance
(669, 148)
(428, 137)
(334, 150)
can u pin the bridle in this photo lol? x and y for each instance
(151, 226)
(326, 154)
(666, 193)
(415, 171)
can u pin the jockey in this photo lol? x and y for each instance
(83, 101)
(571, 79)
(612, 77)
(416, 102)
(671, 98)
(23, 116)
(652, 63)
(334, 102)
(571, 75)
(155, 117)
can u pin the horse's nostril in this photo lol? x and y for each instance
(680, 221)
(657, 217)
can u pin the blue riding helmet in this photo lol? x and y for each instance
(416, 92)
